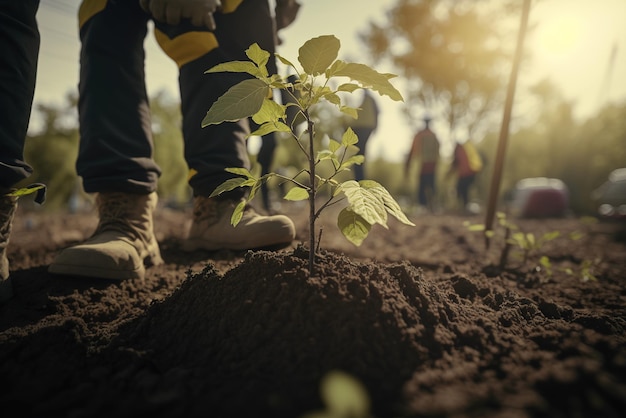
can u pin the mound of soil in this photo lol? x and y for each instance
(424, 318)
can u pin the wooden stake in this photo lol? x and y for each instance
(504, 129)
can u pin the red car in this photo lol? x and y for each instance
(540, 197)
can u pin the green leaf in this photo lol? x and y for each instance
(545, 261)
(388, 201)
(240, 171)
(237, 67)
(350, 111)
(348, 87)
(240, 101)
(476, 227)
(297, 193)
(38, 188)
(284, 60)
(344, 396)
(349, 138)
(549, 236)
(353, 226)
(368, 77)
(270, 112)
(317, 54)
(326, 154)
(228, 185)
(238, 213)
(333, 145)
(333, 98)
(259, 56)
(576, 235)
(254, 187)
(270, 127)
(355, 159)
(364, 203)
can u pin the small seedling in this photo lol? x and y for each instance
(528, 245)
(368, 202)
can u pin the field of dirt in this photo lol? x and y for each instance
(423, 319)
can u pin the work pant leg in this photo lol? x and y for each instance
(426, 192)
(209, 150)
(116, 147)
(19, 46)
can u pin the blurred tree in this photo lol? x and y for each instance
(454, 55)
(603, 139)
(52, 151)
(550, 142)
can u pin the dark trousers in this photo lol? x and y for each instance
(116, 141)
(426, 192)
(462, 188)
(19, 52)
(364, 135)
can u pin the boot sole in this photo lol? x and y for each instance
(202, 245)
(91, 272)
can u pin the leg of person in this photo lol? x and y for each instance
(210, 150)
(429, 190)
(265, 158)
(468, 181)
(363, 134)
(19, 43)
(463, 191)
(115, 153)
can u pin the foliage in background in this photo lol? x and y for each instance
(582, 154)
(53, 148)
(529, 249)
(453, 55)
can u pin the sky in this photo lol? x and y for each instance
(572, 45)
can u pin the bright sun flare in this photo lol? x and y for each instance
(559, 35)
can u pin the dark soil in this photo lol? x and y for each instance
(423, 317)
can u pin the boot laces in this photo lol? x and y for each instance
(211, 210)
(114, 213)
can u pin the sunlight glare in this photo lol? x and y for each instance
(559, 35)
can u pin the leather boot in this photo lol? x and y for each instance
(211, 228)
(8, 205)
(122, 245)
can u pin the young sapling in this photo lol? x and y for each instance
(368, 202)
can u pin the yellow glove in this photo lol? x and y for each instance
(200, 12)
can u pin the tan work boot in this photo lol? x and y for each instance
(122, 245)
(211, 228)
(8, 205)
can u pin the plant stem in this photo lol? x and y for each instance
(505, 250)
(311, 197)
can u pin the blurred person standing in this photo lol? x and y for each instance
(425, 148)
(364, 126)
(466, 164)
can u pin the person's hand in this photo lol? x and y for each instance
(200, 12)
(286, 12)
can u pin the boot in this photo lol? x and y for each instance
(122, 244)
(8, 205)
(211, 228)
